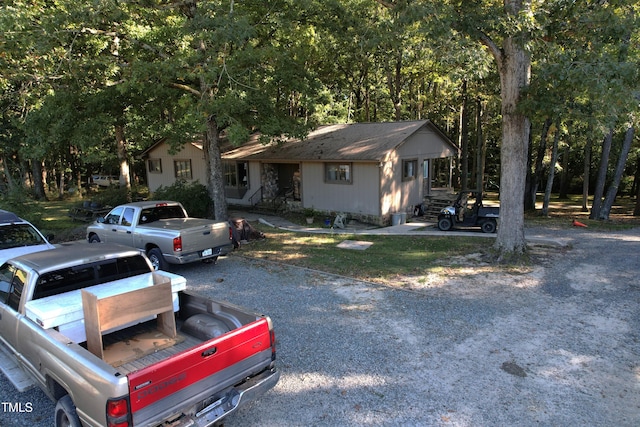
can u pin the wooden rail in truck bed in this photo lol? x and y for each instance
(126, 308)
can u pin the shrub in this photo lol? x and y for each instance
(111, 196)
(193, 196)
(21, 202)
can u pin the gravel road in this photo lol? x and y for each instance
(556, 346)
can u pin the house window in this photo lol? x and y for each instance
(182, 168)
(235, 174)
(338, 173)
(409, 169)
(155, 165)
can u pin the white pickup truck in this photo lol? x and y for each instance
(164, 231)
(116, 343)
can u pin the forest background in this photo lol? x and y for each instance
(540, 96)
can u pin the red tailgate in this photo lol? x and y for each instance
(160, 380)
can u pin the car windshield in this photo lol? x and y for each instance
(15, 235)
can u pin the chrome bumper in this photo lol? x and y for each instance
(250, 390)
(197, 256)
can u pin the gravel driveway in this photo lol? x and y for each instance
(557, 346)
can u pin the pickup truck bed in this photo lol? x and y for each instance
(150, 356)
(186, 342)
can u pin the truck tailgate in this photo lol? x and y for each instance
(197, 234)
(175, 374)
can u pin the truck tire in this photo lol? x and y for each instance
(65, 414)
(445, 224)
(94, 239)
(489, 226)
(157, 260)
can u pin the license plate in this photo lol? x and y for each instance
(207, 252)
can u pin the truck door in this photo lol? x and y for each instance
(12, 282)
(124, 229)
(119, 226)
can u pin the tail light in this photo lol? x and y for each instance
(177, 244)
(118, 413)
(272, 337)
(230, 233)
(273, 344)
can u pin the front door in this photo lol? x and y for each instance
(286, 173)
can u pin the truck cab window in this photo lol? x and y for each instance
(127, 218)
(17, 284)
(6, 275)
(114, 216)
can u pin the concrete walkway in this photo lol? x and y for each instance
(407, 229)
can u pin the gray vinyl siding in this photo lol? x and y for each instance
(361, 196)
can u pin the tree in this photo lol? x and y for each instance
(552, 169)
(242, 68)
(505, 30)
(605, 208)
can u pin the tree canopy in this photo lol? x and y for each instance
(86, 86)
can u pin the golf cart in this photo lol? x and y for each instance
(468, 213)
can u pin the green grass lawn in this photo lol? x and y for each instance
(388, 256)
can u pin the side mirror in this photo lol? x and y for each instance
(100, 220)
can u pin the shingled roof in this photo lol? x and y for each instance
(352, 142)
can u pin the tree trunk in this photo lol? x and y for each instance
(481, 150)
(38, 182)
(586, 174)
(636, 210)
(79, 182)
(636, 175)
(622, 161)
(514, 66)
(214, 167)
(537, 174)
(464, 140)
(602, 176)
(394, 81)
(11, 183)
(564, 175)
(552, 171)
(62, 185)
(121, 148)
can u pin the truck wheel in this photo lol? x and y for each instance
(157, 260)
(445, 224)
(94, 239)
(65, 413)
(489, 226)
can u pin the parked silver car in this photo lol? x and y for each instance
(19, 237)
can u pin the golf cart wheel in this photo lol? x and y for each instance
(445, 224)
(489, 226)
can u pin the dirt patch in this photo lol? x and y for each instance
(479, 267)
